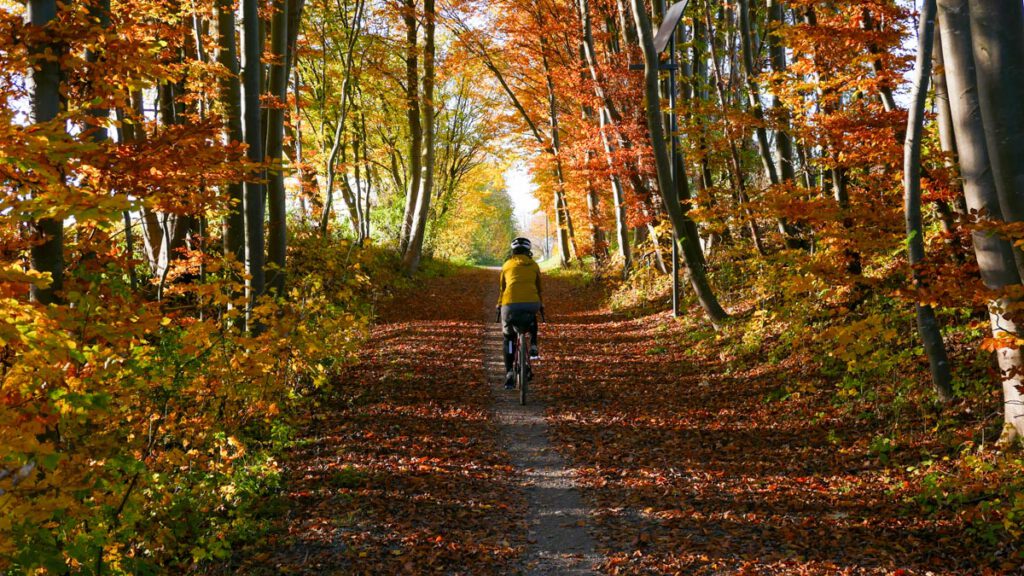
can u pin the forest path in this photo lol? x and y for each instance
(556, 517)
(415, 461)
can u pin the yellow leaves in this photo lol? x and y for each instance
(859, 340)
(16, 273)
(146, 390)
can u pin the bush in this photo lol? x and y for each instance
(137, 434)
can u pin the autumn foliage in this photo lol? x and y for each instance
(203, 204)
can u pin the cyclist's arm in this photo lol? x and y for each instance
(501, 287)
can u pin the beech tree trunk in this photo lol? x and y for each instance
(43, 84)
(884, 89)
(754, 94)
(997, 35)
(370, 179)
(789, 233)
(413, 253)
(993, 252)
(597, 239)
(927, 325)
(944, 121)
(736, 163)
(698, 277)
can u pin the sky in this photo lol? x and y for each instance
(521, 189)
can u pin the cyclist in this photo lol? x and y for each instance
(519, 293)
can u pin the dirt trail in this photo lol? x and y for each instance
(557, 541)
(416, 462)
(399, 470)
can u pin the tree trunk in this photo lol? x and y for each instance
(570, 230)
(358, 176)
(231, 96)
(927, 325)
(587, 54)
(43, 84)
(997, 34)
(278, 208)
(947, 141)
(254, 209)
(411, 260)
(754, 94)
(370, 179)
(163, 233)
(785, 166)
(600, 246)
(734, 155)
(997, 31)
(884, 89)
(562, 217)
(350, 197)
(698, 277)
(993, 252)
(659, 258)
(618, 199)
(412, 111)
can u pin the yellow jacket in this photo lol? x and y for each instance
(520, 281)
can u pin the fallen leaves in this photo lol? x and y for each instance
(401, 473)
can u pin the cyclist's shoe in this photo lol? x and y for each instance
(510, 381)
(534, 353)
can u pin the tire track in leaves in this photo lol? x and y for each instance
(558, 542)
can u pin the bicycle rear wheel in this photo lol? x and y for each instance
(521, 356)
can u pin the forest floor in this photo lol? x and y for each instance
(416, 462)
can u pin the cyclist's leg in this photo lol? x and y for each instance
(508, 344)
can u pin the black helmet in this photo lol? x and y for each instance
(521, 243)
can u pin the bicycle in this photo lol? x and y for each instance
(521, 350)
